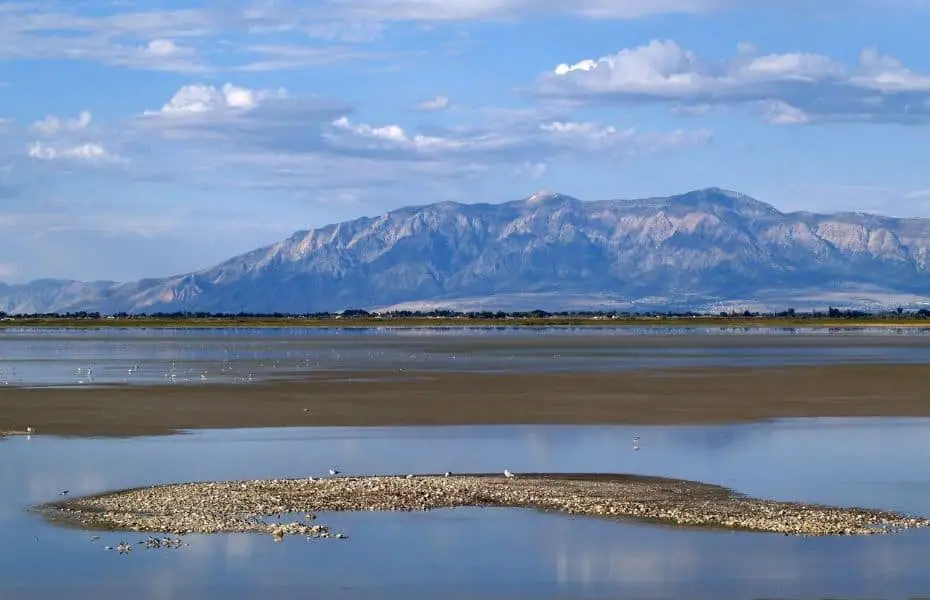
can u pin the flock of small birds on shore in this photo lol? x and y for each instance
(150, 543)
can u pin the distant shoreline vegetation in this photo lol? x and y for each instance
(539, 318)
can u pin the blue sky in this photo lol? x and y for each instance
(144, 139)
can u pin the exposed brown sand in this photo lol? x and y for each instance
(239, 506)
(391, 398)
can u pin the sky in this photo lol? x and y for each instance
(146, 139)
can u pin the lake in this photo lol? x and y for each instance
(469, 553)
(30, 357)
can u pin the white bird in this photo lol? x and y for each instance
(507, 473)
(635, 442)
(448, 473)
(29, 430)
(409, 476)
(333, 472)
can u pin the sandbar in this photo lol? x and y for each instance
(246, 506)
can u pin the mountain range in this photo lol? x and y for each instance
(709, 249)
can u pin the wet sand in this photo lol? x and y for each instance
(367, 398)
(244, 506)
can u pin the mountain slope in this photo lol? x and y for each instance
(696, 249)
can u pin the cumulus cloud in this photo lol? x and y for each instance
(388, 137)
(779, 112)
(250, 116)
(245, 119)
(201, 98)
(87, 152)
(162, 47)
(52, 125)
(436, 104)
(786, 88)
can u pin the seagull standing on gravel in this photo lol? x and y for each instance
(507, 473)
(333, 472)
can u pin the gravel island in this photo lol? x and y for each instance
(259, 506)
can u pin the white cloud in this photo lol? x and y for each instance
(200, 98)
(40, 151)
(778, 112)
(51, 125)
(789, 88)
(531, 140)
(268, 139)
(244, 119)
(390, 137)
(436, 104)
(887, 74)
(162, 47)
(86, 152)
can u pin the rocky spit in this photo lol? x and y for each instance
(254, 506)
(15, 432)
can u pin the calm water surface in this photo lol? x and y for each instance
(243, 356)
(472, 553)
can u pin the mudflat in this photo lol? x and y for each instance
(367, 398)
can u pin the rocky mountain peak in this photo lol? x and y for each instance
(698, 248)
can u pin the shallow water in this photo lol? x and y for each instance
(85, 357)
(470, 553)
